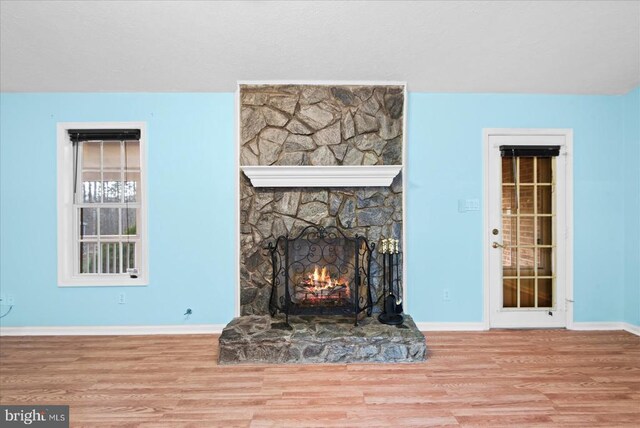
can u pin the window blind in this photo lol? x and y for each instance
(529, 151)
(77, 135)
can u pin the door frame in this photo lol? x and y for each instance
(566, 151)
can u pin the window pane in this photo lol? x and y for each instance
(526, 170)
(545, 298)
(88, 222)
(128, 255)
(544, 170)
(91, 189)
(132, 154)
(88, 257)
(91, 155)
(109, 221)
(110, 257)
(112, 186)
(131, 186)
(507, 170)
(111, 155)
(129, 221)
(527, 292)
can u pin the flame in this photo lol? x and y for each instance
(323, 287)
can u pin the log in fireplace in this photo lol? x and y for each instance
(321, 271)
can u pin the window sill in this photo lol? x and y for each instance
(120, 281)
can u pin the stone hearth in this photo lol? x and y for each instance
(319, 339)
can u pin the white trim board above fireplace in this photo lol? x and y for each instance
(321, 176)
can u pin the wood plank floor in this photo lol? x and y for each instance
(496, 378)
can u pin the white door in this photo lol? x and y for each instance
(527, 233)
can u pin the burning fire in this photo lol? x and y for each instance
(320, 286)
(322, 280)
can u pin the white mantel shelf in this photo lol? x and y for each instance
(321, 176)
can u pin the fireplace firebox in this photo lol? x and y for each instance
(321, 271)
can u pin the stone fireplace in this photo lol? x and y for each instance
(320, 185)
(315, 125)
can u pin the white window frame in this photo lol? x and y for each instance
(67, 275)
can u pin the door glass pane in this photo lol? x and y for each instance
(510, 293)
(527, 293)
(507, 170)
(91, 155)
(544, 292)
(543, 170)
(110, 257)
(111, 155)
(91, 188)
(88, 222)
(510, 231)
(109, 221)
(544, 199)
(509, 199)
(525, 201)
(526, 170)
(526, 261)
(88, 257)
(544, 262)
(543, 232)
(509, 262)
(526, 231)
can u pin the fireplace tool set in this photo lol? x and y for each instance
(391, 293)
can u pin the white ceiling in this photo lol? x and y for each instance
(161, 46)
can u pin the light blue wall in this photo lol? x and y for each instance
(191, 206)
(445, 164)
(632, 208)
(191, 171)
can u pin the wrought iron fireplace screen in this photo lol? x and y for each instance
(321, 271)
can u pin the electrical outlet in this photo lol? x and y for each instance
(445, 295)
(122, 299)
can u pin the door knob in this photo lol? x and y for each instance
(494, 244)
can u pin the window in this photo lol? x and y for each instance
(102, 204)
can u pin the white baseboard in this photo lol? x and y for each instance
(605, 326)
(128, 330)
(631, 328)
(587, 326)
(112, 330)
(451, 326)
